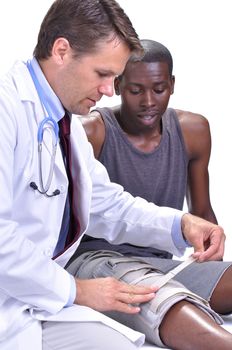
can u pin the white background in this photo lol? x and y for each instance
(198, 34)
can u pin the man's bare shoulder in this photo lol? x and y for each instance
(196, 133)
(92, 122)
(192, 121)
(95, 130)
(92, 119)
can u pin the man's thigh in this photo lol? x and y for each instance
(83, 336)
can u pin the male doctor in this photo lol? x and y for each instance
(82, 46)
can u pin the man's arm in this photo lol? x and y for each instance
(95, 131)
(196, 133)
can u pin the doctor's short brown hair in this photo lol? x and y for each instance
(85, 23)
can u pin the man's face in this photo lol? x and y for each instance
(145, 90)
(84, 80)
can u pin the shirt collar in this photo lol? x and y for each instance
(55, 106)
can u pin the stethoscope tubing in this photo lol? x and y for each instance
(48, 120)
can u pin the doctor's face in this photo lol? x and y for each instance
(82, 81)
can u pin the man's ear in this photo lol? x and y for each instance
(173, 84)
(61, 48)
(116, 86)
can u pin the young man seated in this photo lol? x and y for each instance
(162, 155)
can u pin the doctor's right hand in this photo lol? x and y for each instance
(208, 239)
(105, 294)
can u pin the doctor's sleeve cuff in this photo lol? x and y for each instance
(177, 235)
(72, 294)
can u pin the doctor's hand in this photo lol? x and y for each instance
(105, 294)
(208, 239)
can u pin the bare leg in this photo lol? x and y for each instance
(221, 300)
(186, 327)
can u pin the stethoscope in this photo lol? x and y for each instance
(48, 120)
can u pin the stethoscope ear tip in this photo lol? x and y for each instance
(33, 185)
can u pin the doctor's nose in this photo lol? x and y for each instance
(107, 88)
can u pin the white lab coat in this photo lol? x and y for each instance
(33, 285)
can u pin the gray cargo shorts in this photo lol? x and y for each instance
(133, 270)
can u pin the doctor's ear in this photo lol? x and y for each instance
(116, 86)
(61, 48)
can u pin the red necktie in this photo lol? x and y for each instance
(74, 227)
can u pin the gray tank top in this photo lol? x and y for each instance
(159, 176)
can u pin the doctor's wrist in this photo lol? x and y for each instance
(73, 292)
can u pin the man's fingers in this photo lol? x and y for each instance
(135, 289)
(215, 250)
(126, 308)
(130, 298)
(105, 294)
(129, 302)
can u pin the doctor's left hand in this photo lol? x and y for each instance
(105, 294)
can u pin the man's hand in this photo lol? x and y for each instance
(207, 238)
(105, 294)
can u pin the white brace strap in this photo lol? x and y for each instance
(165, 278)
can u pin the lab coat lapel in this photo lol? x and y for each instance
(27, 92)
